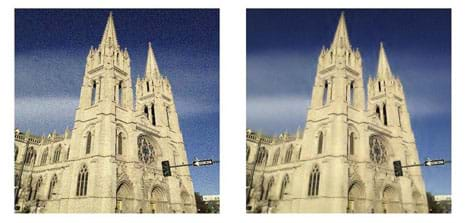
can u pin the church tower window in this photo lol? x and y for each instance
(351, 143)
(385, 115)
(399, 115)
(146, 112)
(320, 142)
(88, 143)
(378, 112)
(82, 186)
(351, 93)
(120, 93)
(93, 95)
(119, 144)
(168, 115)
(153, 115)
(325, 93)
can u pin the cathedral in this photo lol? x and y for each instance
(342, 161)
(110, 162)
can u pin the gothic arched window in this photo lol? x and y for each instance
(385, 115)
(31, 156)
(88, 143)
(36, 190)
(285, 183)
(325, 92)
(268, 189)
(351, 143)
(320, 142)
(120, 93)
(351, 93)
(399, 112)
(82, 183)
(313, 183)
(378, 112)
(16, 153)
(153, 115)
(120, 143)
(53, 182)
(167, 113)
(44, 156)
(93, 94)
(288, 154)
(275, 159)
(57, 154)
(262, 156)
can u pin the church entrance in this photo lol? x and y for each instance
(159, 200)
(391, 200)
(124, 199)
(418, 202)
(356, 198)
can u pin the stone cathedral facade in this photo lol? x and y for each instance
(111, 160)
(343, 160)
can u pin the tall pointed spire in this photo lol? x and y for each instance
(151, 64)
(341, 37)
(110, 36)
(384, 70)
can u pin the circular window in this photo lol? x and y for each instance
(377, 150)
(145, 150)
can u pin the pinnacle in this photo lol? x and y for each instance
(151, 64)
(384, 70)
(341, 37)
(109, 38)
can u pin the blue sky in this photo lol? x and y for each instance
(283, 46)
(50, 54)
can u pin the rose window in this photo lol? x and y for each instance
(377, 150)
(145, 150)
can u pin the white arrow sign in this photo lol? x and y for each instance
(202, 162)
(434, 162)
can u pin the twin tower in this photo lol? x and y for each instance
(343, 159)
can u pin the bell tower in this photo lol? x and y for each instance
(386, 99)
(155, 105)
(337, 97)
(337, 109)
(105, 106)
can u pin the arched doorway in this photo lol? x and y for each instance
(124, 198)
(159, 200)
(186, 200)
(419, 203)
(356, 198)
(391, 201)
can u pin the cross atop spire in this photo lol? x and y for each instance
(110, 36)
(151, 64)
(384, 70)
(341, 37)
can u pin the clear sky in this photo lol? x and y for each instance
(50, 54)
(283, 47)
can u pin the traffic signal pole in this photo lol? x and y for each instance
(166, 165)
(398, 167)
